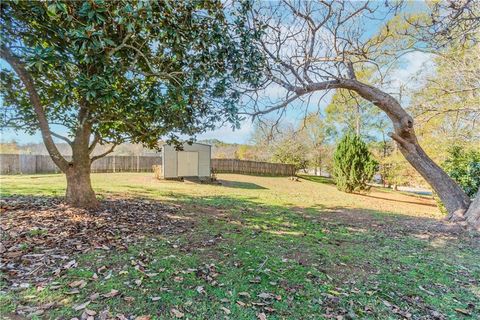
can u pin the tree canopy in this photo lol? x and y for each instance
(135, 70)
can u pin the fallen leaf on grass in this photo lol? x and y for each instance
(80, 284)
(101, 269)
(241, 304)
(262, 316)
(155, 298)
(244, 294)
(70, 264)
(94, 296)
(150, 275)
(81, 306)
(111, 294)
(427, 291)
(38, 312)
(270, 310)
(256, 280)
(265, 295)
(227, 311)
(463, 311)
(387, 304)
(74, 291)
(129, 299)
(90, 312)
(143, 318)
(177, 313)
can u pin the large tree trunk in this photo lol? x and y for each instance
(453, 197)
(473, 213)
(79, 188)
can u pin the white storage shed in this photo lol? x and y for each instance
(193, 161)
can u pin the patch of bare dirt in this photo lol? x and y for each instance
(40, 236)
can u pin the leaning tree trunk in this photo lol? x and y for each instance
(453, 197)
(473, 213)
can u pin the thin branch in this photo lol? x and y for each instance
(96, 139)
(56, 135)
(104, 154)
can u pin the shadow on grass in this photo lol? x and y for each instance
(241, 185)
(297, 245)
(396, 200)
(317, 179)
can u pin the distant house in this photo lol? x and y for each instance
(194, 161)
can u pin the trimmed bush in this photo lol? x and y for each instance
(353, 164)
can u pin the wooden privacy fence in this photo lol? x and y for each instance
(252, 167)
(31, 164)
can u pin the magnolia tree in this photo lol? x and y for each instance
(313, 47)
(106, 72)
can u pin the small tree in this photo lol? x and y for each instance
(353, 165)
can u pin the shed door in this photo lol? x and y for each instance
(187, 165)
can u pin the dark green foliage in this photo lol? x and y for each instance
(353, 164)
(134, 70)
(464, 167)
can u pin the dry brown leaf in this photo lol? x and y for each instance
(73, 291)
(94, 296)
(90, 312)
(177, 313)
(265, 295)
(463, 311)
(78, 283)
(111, 294)
(81, 306)
(227, 311)
(262, 316)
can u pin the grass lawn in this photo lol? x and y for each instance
(263, 248)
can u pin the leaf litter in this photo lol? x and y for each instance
(42, 235)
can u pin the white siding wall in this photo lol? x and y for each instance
(170, 159)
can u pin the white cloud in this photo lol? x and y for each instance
(227, 134)
(412, 64)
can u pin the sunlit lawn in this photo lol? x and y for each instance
(285, 249)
